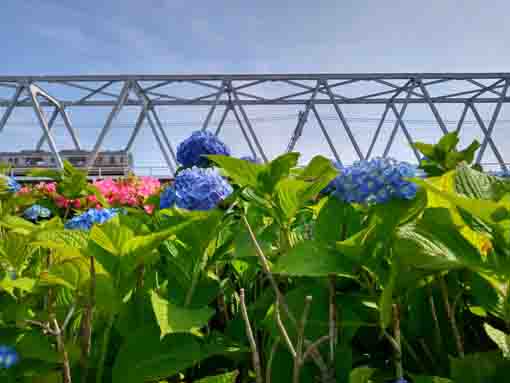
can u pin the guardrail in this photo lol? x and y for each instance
(97, 173)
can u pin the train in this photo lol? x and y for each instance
(108, 163)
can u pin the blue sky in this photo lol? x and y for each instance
(222, 36)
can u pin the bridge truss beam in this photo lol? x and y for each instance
(236, 93)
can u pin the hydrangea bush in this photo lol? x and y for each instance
(304, 274)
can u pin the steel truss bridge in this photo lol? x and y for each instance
(53, 96)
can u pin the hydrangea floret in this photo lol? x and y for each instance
(192, 151)
(10, 183)
(86, 220)
(196, 189)
(35, 212)
(8, 356)
(375, 181)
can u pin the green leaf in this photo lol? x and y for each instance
(311, 258)
(501, 339)
(144, 244)
(468, 154)
(479, 368)
(336, 221)
(362, 375)
(99, 236)
(431, 379)
(229, 377)
(434, 243)
(243, 173)
(276, 170)
(448, 142)
(34, 345)
(319, 166)
(146, 357)
(426, 149)
(172, 318)
(23, 284)
(289, 193)
(489, 211)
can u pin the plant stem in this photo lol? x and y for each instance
(65, 357)
(104, 348)
(269, 366)
(315, 354)
(251, 339)
(298, 359)
(86, 326)
(451, 318)
(332, 318)
(437, 328)
(399, 370)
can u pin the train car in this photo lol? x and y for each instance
(107, 163)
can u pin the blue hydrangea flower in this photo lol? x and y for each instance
(86, 220)
(192, 150)
(196, 189)
(375, 181)
(8, 357)
(167, 198)
(35, 212)
(10, 183)
(251, 159)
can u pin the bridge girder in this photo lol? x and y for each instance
(237, 92)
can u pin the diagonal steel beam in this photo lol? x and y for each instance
(377, 131)
(123, 96)
(326, 135)
(405, 131)
(391, 85)
(344, 121)
(44, 125)
(144, 114)
(97, 91)
(432, 106)
(138, 125)
(10, 108)
(222, 120)
(483, 128)
(158, 85)
(302, 121)
(213, 108)
(396, 126)
(169, 146)
(492, 124)
(70, 129)
(87, 88)
(250, 128)
(487, 89)
(53, 117)
(462, 117)
(245, 134)
(482, 86)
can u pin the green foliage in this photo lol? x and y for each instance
(444, 156)
(160, 293)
